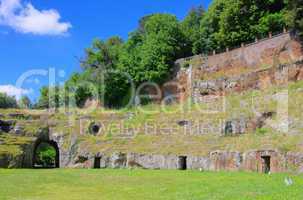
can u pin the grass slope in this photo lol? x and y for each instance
(140, 184)
(168, 137)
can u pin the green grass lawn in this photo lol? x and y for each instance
(144, 185)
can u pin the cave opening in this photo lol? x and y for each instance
(265, 164)
(97, 163)
(46, 155)
(182, 162)
(94, 128)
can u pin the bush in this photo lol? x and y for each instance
(7, 101)
(46, 155)
(25, 103)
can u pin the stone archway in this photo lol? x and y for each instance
(51, 143)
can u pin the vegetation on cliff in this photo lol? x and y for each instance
(150, 51)
(159, 132)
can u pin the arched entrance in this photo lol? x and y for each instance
(46, 155)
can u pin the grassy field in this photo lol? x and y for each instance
(140, 184)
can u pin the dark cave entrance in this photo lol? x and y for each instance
(46, 155)
(94, 128)
(265, 164)
(97, 163)
(182, 162)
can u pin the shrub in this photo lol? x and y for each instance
(46, 155)
(7, 101)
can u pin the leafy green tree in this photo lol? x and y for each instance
(77, 90)
(130, 57)
(103, 54)
(7, 101)
(151, 55)
(101, 78)
(228, 23)
(209, 25)
(142, 22)
(191, 28)
(43, 101)
(294, 16)
(274, 22)
(46, 155)
(25, 102)
(49, 98)
(160, 39)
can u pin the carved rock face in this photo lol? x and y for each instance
(235, 127)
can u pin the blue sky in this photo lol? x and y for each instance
(39, 34)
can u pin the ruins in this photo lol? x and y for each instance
(273, 61)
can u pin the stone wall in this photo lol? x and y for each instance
(220, 160)
(216, 161)
(256, 55)
(255, 66)
(252, 161)
(258, 80)
(152, 161)
(21, 160)
(180, 85)
(224, 160)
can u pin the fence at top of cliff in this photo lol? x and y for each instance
(243, 45)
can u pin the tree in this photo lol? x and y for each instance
(46, 155)
(25, 102)
(77, 89)
(209, 25)
(101, 78)
(153, 53)
(228, 23)
(273, 22)
(191, 29)
(142, 22)
(7, 101)
(103, 54)
(294, 16)
(151, 50)
(43, 101)
(102, 72)
(130, 57)
(49, 98)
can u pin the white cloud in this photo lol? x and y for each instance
(25, 18)
(14, 91)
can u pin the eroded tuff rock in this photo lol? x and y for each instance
(72, 155)
(10, 161)
(152, 161)
(224, 160)
(17, 160)
(235, 127)
(198, 162)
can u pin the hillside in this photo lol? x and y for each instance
(238, 110)
(176, 133)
